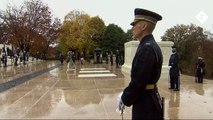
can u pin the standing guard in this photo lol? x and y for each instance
(174, 70)
(142, 91)
(200, 72)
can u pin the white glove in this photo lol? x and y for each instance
(120, 104)
(169, 67)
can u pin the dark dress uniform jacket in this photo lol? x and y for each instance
(173, 62)
(146, 69)
(200, 68)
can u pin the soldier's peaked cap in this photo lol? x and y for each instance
(146, 15)
(174, 46)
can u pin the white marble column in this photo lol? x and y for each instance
(130, 49)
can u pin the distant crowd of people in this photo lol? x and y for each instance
(98, 58)
(119, 59)
(17, 56)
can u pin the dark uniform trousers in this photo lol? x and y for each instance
(174, 82)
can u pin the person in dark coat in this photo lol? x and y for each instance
(200, 72)
(174, 70)
(16, 59)
(97, 57)
(111, 58)
(142, 91)
(107, 60)
(117, 58)
(62, 59)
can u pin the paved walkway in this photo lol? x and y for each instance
(62, 94)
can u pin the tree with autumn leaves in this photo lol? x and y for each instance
(83, 33)
(30, 27)
(80, 32)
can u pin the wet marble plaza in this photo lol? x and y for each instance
(47, 90)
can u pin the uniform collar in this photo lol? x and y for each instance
(147, 38)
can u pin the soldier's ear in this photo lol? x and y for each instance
(143, 25)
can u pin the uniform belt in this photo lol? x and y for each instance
(151, 86)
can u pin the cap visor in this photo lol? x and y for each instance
(132, 23)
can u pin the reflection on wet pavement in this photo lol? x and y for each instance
(59, 94)
(17, 81)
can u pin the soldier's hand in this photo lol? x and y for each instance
(120, 104)
(169, 67)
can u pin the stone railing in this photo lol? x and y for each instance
(130, 49)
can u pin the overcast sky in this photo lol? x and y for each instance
(121, 12)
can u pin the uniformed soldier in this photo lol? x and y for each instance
(111, 58)
(117, 58)
(142, 90)
(174, 70)
(200, 72)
